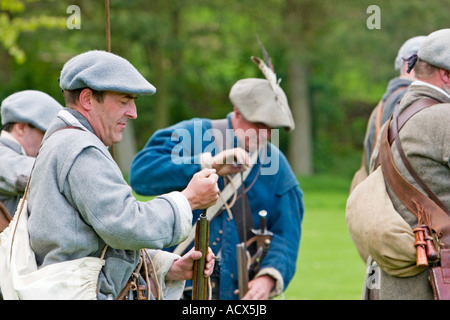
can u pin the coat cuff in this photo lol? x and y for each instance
(162, 261)
(276, 275)
(185, 214)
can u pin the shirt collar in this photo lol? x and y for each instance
(8, 136)
(423, 83)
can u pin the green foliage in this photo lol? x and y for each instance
(193, 52)
(12, 25)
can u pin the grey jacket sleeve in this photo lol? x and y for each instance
(14, 171)
(95, 186)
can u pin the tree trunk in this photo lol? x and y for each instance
(300, 153)
(126, 149)
(300, 141)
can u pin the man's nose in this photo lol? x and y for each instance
(131, 110)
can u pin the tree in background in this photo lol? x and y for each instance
(333, 68)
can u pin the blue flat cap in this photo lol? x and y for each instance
(436, 49)
(30, 106)
(103, 71)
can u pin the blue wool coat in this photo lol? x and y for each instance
(172, 156)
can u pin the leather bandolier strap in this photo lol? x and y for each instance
(429, 208)
(407, 193)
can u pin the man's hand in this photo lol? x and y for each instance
(230, 161)
(182, 269)
(202, 191)
(259, 288)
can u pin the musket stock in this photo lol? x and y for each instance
(199, 281)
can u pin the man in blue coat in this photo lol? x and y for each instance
(174, 154)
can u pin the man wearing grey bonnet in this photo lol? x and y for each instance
(394, 92)
(79, 202)
(26, 115)
(425, 139)
(255, 177)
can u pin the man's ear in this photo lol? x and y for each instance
(85, 99)
(445, 76)
(236, 112)
(19, 129)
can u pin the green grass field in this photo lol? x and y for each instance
(328, 267)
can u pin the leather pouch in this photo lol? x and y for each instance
(440, 277)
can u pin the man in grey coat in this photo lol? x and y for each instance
(425, 138)
(26, 115)
(79, 201)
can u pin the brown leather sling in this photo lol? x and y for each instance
(437, 215)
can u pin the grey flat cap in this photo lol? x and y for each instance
(103, 71)
(30, 106)
(436, 49)
(258, 102)
(410, 47)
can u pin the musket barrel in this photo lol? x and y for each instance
(199, 281)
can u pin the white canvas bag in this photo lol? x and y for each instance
(21, 278)
(378, 230)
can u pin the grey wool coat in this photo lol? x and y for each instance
(15, 168)
(79, 201)
(426, 142)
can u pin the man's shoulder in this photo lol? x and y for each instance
(69, 142)
(185, 125)
(276, 167)
(438, 113)
(194, 123)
